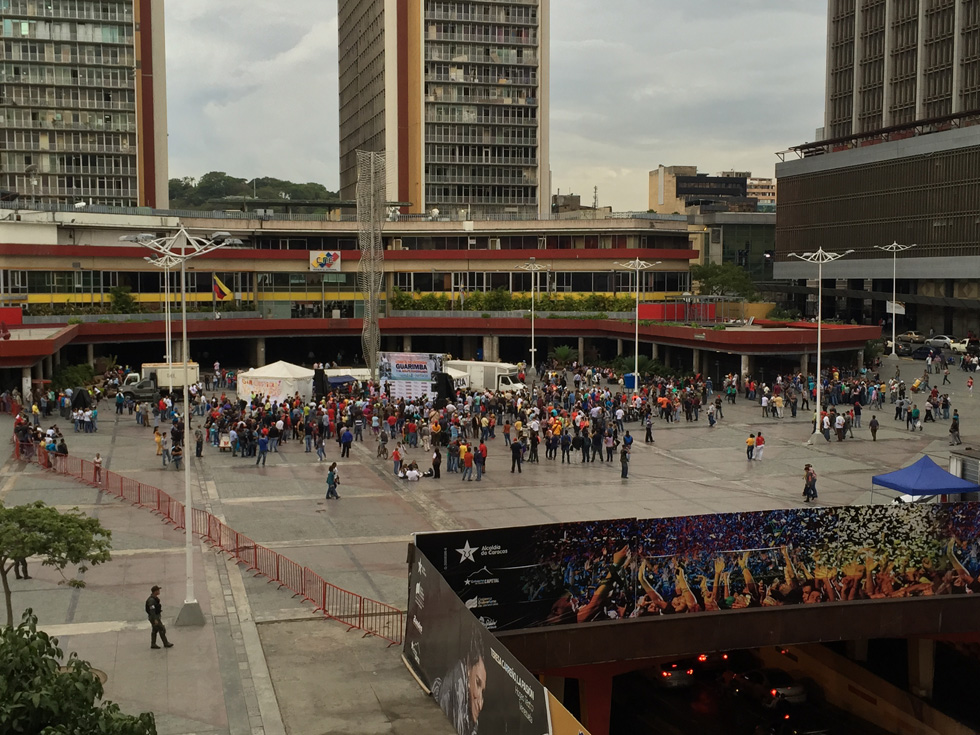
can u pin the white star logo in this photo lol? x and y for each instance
(421, 568)
(467, 552)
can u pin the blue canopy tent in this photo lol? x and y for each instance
(341, 379)
(924, 477)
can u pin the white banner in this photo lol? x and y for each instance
(409, 375)
(895, 307)
(325, 261)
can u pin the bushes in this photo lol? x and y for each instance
(71, 376)
(502, 300)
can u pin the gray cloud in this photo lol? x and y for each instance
(634, 83)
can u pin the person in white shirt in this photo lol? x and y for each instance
(413, 475)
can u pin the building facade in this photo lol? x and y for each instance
(672, 189)
(892, 62)
(456, 95)
(83, 100)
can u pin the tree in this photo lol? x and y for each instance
(58, 538)
(563, 354)
(123, 301)
(725, 279)
(40, 695)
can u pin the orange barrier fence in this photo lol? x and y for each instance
(354, 610)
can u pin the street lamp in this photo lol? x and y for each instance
(637, 265)
(894, 249)
(820, 257)
(168, 252)
(532, 267)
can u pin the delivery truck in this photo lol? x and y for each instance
(157, 378)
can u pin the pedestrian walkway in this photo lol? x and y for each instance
(265, 664)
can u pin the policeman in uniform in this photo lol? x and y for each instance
(153, 610)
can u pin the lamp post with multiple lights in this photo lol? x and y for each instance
(171, 251)
(532, 267)
(820, 257)
(894, 249)
(637, 265)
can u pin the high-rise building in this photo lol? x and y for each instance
(83, 102)
(456, 94)
(892, 62)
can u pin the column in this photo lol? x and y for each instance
(581, 350)
(746, 366)
(595, 698)
(922, 666)
(57, 358)
(957, 56)
(259, 351)
(619, 347)
(407, 343)
(655, 351)
(858, 58)
(697, 361)
(25, 384)
(857, 650)
(860, 359)
(555, 685)
(665, 354)
(889, 70)
(491, 348)
(805, 363)
(47, 367)
(920, 65)
(90, 354)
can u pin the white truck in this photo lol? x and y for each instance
(495, 376)
(155, 378)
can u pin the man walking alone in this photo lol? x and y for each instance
(153, 611)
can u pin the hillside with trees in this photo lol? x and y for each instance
(191, 193)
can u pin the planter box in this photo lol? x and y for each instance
(155, 317)
(518, 314)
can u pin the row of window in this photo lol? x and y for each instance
(85, 283)
(64, 75)
(82, 32)
(84, 9)
(615, 281)
(67, 53)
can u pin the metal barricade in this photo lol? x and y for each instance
(373, 617)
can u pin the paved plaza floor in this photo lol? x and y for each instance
(264, 664)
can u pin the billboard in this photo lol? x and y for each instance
(325, 261)
(473, 678)
(605, 570)
(409, 375)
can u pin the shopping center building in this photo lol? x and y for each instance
(290, 291)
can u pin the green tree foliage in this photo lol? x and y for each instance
(72, 376)
(122, 300)
(58, 538)
(563, 354)
(40, 695)
(725, 279)
(190, 193)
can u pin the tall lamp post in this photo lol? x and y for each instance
(894, 249)
(170, 251)
(637, 265)
(820, 257)
(532, 267)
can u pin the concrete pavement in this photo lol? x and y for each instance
(278, 668)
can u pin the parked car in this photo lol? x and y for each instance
(804, 720)
(676, 674)
(921, 353)
(903, 349)
(911, 336)
(940, 340)
(769, 687)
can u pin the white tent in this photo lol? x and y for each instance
(277, 381)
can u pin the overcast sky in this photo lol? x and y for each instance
(720, 84)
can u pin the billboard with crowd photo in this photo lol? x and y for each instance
(409, 375)
(600, 570)
(473, 678)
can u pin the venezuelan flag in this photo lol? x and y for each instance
(221, 291)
